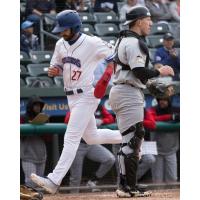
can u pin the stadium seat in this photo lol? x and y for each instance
(50, 18)
(106, 29)
(41, 56)
(175, 29)
(106, 17)
(23, 71)
(22, 7)
(152, 53)
(38, 69)
(154, 41)
(24, 58)
(59, 81)
(159, 28)
(22, 83)
(39, 82)
(87, 18)
(88, 29)
(109, 39)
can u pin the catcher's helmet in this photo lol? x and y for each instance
(135, 13)
(67, 19)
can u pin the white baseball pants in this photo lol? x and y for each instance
(82, 123)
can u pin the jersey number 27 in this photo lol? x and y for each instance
(76, 75)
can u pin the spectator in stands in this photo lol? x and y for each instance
(32, 148)
(28, 40)
(174, 8)
(159, 10)
(165, 167)
(125, 8)
(36, 8)
(105, 6)
(167, 55)
(69, 4)
(97, 153)
(146, 160)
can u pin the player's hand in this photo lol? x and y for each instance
(173, 53)
(166, 71)
(53, 71)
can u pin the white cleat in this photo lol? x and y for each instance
(45, 183)
(123, 194)
(142, 194)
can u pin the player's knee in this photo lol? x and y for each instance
(148, 159)
(138, 135)
(111, 160)
(88, 140)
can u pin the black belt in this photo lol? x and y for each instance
(71, 92)
(124, 84)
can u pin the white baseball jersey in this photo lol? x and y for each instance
(78, 61)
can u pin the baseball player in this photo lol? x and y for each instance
(76, 55)
(127, 98)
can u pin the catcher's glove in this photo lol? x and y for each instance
(159, 89)
(28, 193)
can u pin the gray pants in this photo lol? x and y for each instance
(36, 168)
(145, 164)
(97, 153)
(165, 168)
(128, 104)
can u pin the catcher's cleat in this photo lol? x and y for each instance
(137, 192)
(28, 193)
(143, 191)
(45, 183)
(123, 192)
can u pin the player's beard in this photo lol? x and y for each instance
(68, 37)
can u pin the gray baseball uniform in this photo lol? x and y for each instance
(127, 101)
(126, 97)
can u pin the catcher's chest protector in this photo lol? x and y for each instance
(142, 45)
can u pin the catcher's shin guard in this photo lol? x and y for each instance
(131, 165)
(136, 141)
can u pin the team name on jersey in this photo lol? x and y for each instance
(71, 60)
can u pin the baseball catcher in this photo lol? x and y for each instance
(28, 193)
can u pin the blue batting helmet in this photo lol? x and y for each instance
(67, 19)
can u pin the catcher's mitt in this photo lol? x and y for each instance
(159, 89)
(28, 193)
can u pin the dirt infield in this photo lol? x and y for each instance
(171, 194)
